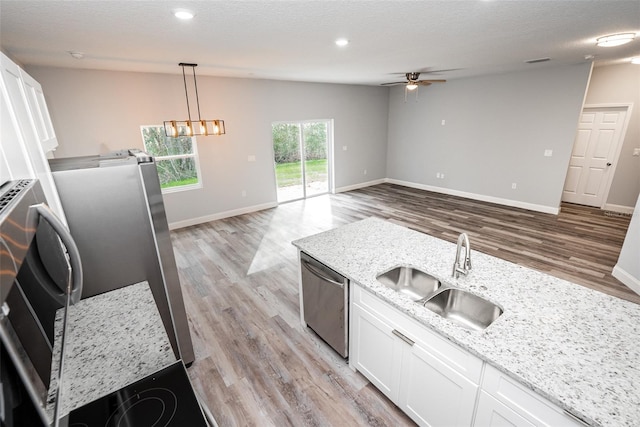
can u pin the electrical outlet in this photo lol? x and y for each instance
(514, 186)
(251, 158)
(443, 122)
(344, 148)
(365, 172)
(441, 176)
(244, 193)
(437, 175)
(548, 153)
(636, 152)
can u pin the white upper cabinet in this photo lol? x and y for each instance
(24, 130)
(39, 113)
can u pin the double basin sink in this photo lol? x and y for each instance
(457, 305)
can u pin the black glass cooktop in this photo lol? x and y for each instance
(162, 399)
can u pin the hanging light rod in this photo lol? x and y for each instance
(175, 128)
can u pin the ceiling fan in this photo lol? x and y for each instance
(413, 81)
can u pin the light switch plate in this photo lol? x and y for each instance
(636, 152)
(548, 153)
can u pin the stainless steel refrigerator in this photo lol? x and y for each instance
(114, 207)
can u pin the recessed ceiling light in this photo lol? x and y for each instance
(615, 39)
(635, 60)
(183, 14)
(342, 42)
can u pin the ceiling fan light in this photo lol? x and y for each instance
(636, 60)
(615, 39)
(412, 86)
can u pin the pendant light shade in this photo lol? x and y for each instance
(175, 128)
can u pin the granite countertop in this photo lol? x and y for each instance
(577, 347)
(113, 339)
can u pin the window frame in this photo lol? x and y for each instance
(194, 155)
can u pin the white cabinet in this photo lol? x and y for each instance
(39, 113)
(505, 402)
(430, 379)
(25, 127)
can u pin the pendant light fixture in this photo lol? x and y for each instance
(175, 128)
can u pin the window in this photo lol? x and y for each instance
(176, 159)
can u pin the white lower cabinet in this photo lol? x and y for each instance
(435, 382)
(493, 413)
(432, 393)
(505, 402)
(431, 380)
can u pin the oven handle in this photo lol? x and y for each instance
(75, 287)
(316, 272)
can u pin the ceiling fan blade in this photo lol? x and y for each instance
(426, 71)
(428, 82)
(393, 83)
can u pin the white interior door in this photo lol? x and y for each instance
(595, 150)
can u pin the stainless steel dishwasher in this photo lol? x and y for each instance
(325, 295)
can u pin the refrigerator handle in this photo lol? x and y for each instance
(75, 287)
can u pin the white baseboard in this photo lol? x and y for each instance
(626, 278)
(361, 185)
(618, 208)
(481, 197)
(221, 215)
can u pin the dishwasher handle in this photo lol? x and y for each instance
(318, 273)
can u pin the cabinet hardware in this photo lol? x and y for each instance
(402, 337)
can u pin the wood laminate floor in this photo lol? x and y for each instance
(257, 366)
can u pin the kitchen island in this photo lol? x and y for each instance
(574, 346)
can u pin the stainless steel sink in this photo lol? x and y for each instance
(464, 308)
(414, 283)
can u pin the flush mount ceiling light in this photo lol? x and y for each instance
(615, 39)
(76, 55)
(183, 14)
(342, 42)
(175, 128)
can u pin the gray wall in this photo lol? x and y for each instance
(97, 111)
(496, 130)
(621, 84)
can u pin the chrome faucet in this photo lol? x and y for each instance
(465, 266)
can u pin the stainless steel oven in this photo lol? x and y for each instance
(325, 295)
(40, 273)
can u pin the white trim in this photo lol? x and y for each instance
(481, 197)
(360, 185)
(626, 278)
(618, 208)
(221, 215)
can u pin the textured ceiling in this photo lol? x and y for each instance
(294, 40)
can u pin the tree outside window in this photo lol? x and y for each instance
(176, 159)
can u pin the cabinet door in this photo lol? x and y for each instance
(39, 113)
(375, 351)
(18, 111)
(492, 413)
(434, 394)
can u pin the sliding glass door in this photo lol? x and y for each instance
(301, 158)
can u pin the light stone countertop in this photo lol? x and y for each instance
(577, 347)
(113, 339)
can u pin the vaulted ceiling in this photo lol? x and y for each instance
(294, 40)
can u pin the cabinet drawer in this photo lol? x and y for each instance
(528, 404)
(457, 358)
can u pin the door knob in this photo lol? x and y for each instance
(608, 164)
